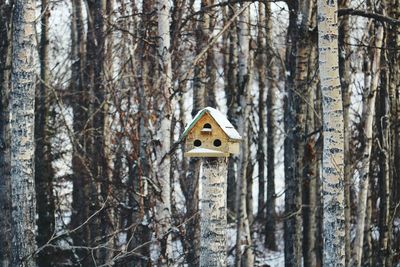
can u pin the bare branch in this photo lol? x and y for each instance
(367, 14)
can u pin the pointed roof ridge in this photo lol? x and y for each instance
(221, 120)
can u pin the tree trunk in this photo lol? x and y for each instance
(368, 114)
(243, 234)
(80, 169)
(213, 221)
(211, 67)
(192, 240)
(292, 220)
(310, 169)
(44, 172)
(345, 76)
(384, 159)
(231, 96)
(108, 220)
(303, 80)
(142, 234)
(270, 222)
(333, 151)
(22, 108)
(319, 201)
(166, 112)
(95, 83)
(393, 54)
(261, 67)
(5, 181)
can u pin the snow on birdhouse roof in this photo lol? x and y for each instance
(221, 120)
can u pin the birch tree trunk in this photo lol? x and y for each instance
(213, 222)
(333, 157)
(22, 132)
(243, 234)
(368, 114)
(5, 180)
(164, 204)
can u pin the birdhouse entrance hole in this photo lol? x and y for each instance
(207, 129)
(217, 142)
(197, 143)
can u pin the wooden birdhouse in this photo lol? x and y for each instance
(210, 134)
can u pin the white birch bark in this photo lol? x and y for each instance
(368, 114)
(164, 204)
(243, 235)
(213, 221)
(22, 134)
(333, 156)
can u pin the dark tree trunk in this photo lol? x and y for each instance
(5, 180)
(345, 75)
(384, 176)
(80, 166)
(231, 96)
(270, 220)
(44, 172)
(22, 105)
(292, 220)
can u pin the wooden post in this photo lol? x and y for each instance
(213, 221)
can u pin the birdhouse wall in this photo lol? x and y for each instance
(208, 139)
(234, 147)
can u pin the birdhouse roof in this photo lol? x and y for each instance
(221, 120)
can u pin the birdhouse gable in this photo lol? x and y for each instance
(210, 134)
(219, 118)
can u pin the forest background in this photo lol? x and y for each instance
(117, 81)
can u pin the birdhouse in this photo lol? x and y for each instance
(210, 134)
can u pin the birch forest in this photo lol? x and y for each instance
(95, 97)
